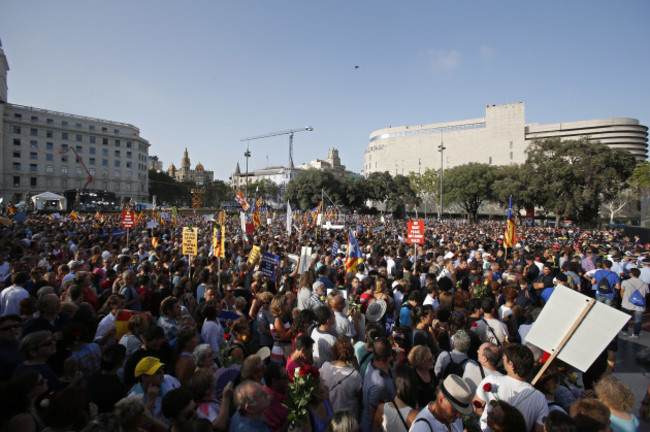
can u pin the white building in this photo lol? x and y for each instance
(499, 138)
(38, 148)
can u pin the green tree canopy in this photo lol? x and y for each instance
(469, 186)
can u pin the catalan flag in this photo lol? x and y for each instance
(99, 217)
(12, 209)
(353, 255)
(74, 215)
(258, 204)
(154, 242)
(510, 228)
(139, 218)
(256, 218)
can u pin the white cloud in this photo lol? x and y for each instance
(444, 61)
(487, 52)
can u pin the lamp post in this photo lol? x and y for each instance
(441, 149)
(247, 154)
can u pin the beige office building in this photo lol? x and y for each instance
(499, 138)
(38, 146)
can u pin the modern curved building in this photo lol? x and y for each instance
(499, 138)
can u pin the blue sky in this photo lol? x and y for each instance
(205, 74)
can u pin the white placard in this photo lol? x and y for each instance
(152, 224)
(242, 219)
(592, 336)
(305, 259)
(293, 258)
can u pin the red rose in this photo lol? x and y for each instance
(487, 387)
(227, 336)
(477, 404)
(474, 324)
(303, 372)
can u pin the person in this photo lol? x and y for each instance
(280, 329)
(85, 356)
(558, 421)
(132, 340)
(620, 400)
(612, 278)
(106, 328)
(458, 360)
(453, 399)
(186, 340)
(264, 319)
(10, 356)
(202, 386)
(276, 385)
(11, 296)
(505, 418)
(302, 356)
(251, 401)
(252, 368)
(422, 361)
(628, 287)
(343, 421)
(512, 388)
(178, 408)
(490, 328)
(154, 346)
(378, 384)
(152, 384)
(342, 325)
(317, 298)
(170, 312)
(488, 357)
(105, 389)
(590, 415)
(240, 332)
(363, 349)
(342, 378)
(132, 300)
(398, 414)
(18, 402)
(424, 333)
(323, 339)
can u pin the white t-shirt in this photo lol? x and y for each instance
(520, 394)
(104, 326)
(504, 311)
(302, 299)
(212, 333)
(486, 335)
(323, 342)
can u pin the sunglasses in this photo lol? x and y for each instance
(10, 327)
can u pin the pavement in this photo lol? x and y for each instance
(629, 369)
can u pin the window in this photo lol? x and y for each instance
(64, 170)
(16, 141)
(104, 173)
(78, 137)
(64, 135)
(49, 134)
(34, 118)
(33, 155)
(129, 174)
(92, 139)
(77, 170)
(64, 158)
(91, 150)
(49, 146)
(79, 149)
(16, 166)
(117, 143)
(49, 121)
(16, 153)
(48, 182)
(105, 141)
(16, 181)
(92, 171)
(33, 167)
(116, 131)
(128, 155)
(33, 132)
(104, 152)
(117, 164)
(18, 115)
(49, 157)
(128, 164)
(64, 146)
(490, 162)
(510, 155)
(129, 144)
(117, 153)
(49, 169)
(104, 128)
(77, 125)
(510, 145)
(104, 162)
(33, 144)
(91, 161)
(117, 173)
(33, 181)
(16, 129)
(64, 122)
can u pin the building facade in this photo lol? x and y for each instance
(500, 138)
(331, 164)
(198, 175)
(44, 150)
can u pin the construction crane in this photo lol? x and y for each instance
(289, 132)
(64, 150)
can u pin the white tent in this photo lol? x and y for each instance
(49, 201)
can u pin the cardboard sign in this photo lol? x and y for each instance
(590, 338)
(255, 254)
(128, 219)
(415, 232)
(305, 259)
(268, 265)
(190, 239)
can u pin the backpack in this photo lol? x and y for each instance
(453, 368)
(604, 287)
(571, 283)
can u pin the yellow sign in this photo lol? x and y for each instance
(190, 237)
(255, 254)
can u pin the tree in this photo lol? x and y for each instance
(265, 188)
(167, 189)
(469, 186)
(216, 192)
(515, 181)
(306, 187)
(394, 192)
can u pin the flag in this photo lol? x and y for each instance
(12, 209)
(319, 209)
(99, 217)
(139, 218)
(289, 218)
(510, 228)
(256, 218)
(241, 199)
(154, 242)
(258, 204)
(353, 256)
(221, 220)
(74, 215)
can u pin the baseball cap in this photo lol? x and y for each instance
(147, 366)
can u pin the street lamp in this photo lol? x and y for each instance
(247, 154)
(441, 149)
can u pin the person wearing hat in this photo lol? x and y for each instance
(152, 384)
(513, 388)
(453, 400)
(645, 271)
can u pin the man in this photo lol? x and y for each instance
(512, 388)
(154, 346)
(251, 401)
(342, 325)
(212, 330)
(488, 357)
(378, 383)
(588, 263)
(612, 279)
(10, 356)
(628, 288)
(324, 272)
(10, 297)
(490, 328)
(106, 328)
(277, 385)
(322, 336)
(132, 300)
(645, 271)
(179, 408)
(453, 400)
(457, 360)
(317, 298)
(153, 385)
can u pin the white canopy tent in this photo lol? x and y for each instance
(49, 201)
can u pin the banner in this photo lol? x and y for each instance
(254, 255)
(268, 265)
(241, 199)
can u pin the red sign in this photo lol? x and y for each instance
(415, 232)
(128, 219)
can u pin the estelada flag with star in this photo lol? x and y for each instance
(353, 255)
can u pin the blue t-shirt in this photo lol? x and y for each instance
(619, 425)
(612, 278)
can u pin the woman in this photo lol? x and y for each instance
(510, 294)
(320, 409)
(280, 329)
(239, 333)
(302, 356)
(380, 294)
(228, 300)
(19, 398)
(264, 319)
(506, 418)
(422, 361)
(202, 386)
(85, 355)
(398, 414)
(342, 378)
(186, 340)
(132, 340)
(205, 279)
(204, 357)
(620, 400)
(423, 333)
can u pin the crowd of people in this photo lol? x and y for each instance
(98, 334)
